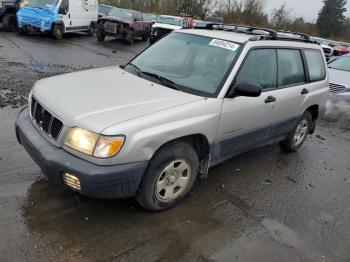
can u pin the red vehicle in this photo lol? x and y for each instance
(340, 50)
(124, 24)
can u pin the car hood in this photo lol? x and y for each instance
(166, 26)
(101, 98)
(340, 77)
(116, 19)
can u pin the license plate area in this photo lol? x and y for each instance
(111, 27)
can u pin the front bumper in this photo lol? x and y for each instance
(107, 182)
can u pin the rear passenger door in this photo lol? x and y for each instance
(291, 92)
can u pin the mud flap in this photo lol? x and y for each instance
(204, 165)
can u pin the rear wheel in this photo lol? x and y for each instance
(169, 178)
(57, 32)
(9, 22)
(91, 29)
(298, 136)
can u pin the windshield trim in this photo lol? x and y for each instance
(224, 79)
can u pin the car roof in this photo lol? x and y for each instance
(242, 38)
(229, 36)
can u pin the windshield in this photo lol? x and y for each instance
(170, 20)
(104, 9)
(199, 64)
(121, 13)
(342, 63)
(148, 17)
(42, 3)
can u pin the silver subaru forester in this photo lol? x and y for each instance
(192, 100)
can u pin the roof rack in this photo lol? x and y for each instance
(259, 33)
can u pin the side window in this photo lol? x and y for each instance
(315, 64)
(260, 67)
(290, 67)
(64, 7)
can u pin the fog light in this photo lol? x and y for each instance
(71, 181)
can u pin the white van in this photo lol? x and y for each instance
(58, 16)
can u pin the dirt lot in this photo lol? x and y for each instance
(261, 206)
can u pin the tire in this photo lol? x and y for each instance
(91, 29)
(145, 37)
(100, 33)
(57, 32)
(299, 134)
(177, 182)
(9, 22)
(22, 31)
(129, 38)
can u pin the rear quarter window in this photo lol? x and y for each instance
(315, 64)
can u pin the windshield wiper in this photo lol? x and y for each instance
(163, 80)
(138, 70)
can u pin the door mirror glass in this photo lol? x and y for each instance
(247, 89)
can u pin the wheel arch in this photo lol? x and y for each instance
(200, 144)
(314, 111)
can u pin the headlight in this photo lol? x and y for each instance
(92, 144)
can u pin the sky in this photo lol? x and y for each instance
(305, 8)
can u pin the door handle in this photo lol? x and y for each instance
(304, 91)
(270, 99)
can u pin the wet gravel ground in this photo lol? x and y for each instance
(260, 206)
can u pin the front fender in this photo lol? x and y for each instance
(145, 135)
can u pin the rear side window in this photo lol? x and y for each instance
(260, 67)
(290, 68)
(315, 64)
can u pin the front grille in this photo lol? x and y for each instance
(45, 120)
(334, 88)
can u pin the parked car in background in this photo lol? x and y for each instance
(58, 17)
(340, 50)
(149, 17)
(339, 75)
(165, 24)
(214, 19)
(104, 9)
(191, 101)
(124, 24)
(8, 10)
(328, 51)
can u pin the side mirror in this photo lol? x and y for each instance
(63, 11)
(247, 89)
(135, 19)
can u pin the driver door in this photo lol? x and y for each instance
(245, 121)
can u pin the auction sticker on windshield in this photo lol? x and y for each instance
(224, 44)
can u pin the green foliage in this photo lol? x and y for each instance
(331, 18)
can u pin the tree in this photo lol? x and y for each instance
(280, 18)
(331, 18)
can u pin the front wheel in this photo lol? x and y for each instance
(129, 38)
(169, 177)
(299, 134)
(10, 22)
(100, 33)
(57, 32)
